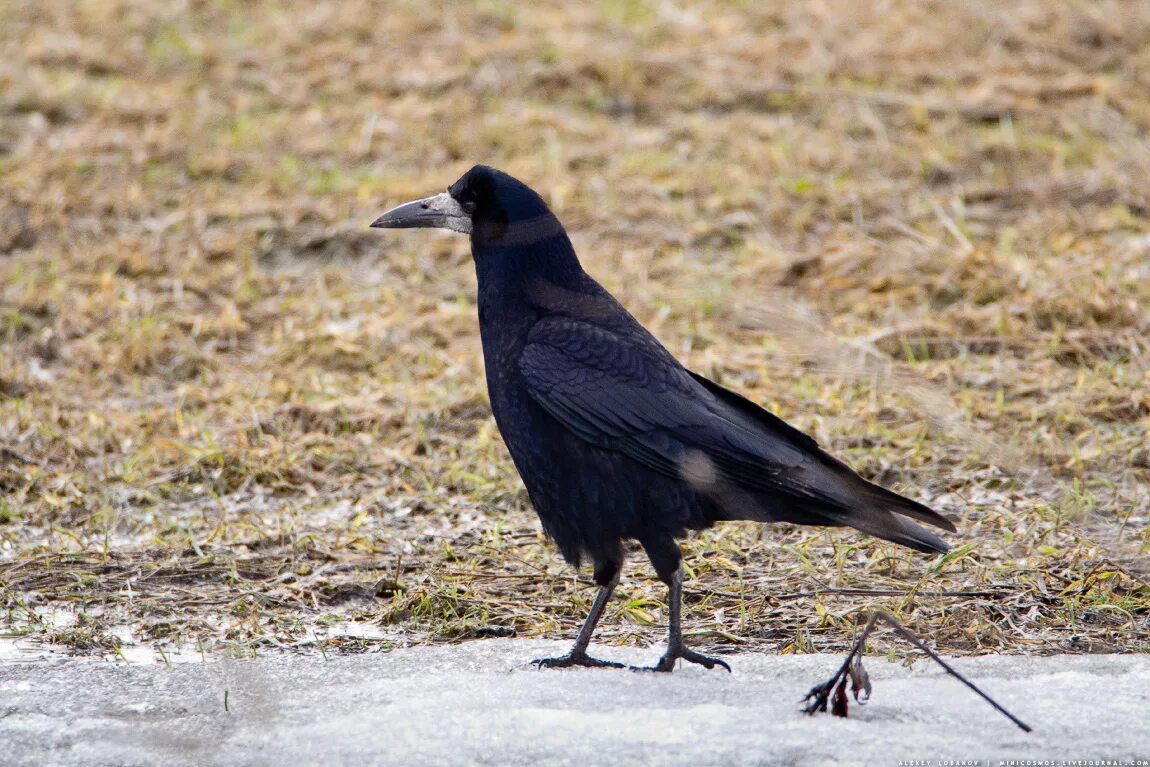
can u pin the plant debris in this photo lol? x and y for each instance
(852, 670)
(227, 411)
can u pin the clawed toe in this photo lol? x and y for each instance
(819, 696)
(667, 662)
(705, 661)
(575, 659)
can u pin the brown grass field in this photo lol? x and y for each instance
(234, 420)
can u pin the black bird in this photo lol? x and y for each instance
(614, 439)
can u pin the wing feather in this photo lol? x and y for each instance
(637, 399)
(619, 389)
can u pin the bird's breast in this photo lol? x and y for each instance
(504, 336)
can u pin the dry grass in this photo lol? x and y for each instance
(233, 418)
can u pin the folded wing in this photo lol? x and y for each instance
(619, 389)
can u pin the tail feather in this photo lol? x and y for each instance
(822, 491)
(888, 526)
(899, 504)
(866, 507)
(873, 509)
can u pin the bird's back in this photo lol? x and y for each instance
(600, 376)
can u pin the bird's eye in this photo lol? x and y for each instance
(465, 197)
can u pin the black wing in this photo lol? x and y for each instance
(637, 399)
(623, 391)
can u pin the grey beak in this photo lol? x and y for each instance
(439, 212)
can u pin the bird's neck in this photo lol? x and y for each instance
(505, 268)
(510, 278)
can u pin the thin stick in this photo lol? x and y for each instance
(819, 694)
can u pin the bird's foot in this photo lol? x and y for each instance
(833, 692)
(574, 658)
(667, 662)
(819, 696)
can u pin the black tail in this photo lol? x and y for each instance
(828, 492)
(865, 506)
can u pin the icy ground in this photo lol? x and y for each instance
(480, 703)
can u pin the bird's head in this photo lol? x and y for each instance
(494, 208)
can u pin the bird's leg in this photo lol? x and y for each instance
(675, 647)
(578, 655)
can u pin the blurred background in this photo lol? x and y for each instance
(234, 420)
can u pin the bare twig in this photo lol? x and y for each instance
(818, 697)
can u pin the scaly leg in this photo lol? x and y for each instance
(578, 655)
(675, 647)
